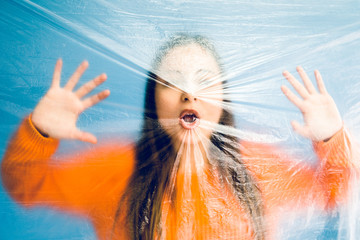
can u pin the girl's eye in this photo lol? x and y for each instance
(169, 85)
(207, 82)
(166, 84)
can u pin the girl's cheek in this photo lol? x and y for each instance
(165, 106)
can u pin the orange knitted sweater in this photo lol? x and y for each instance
(91, 183)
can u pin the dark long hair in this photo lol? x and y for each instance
(155, 158)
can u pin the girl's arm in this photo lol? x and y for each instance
(76, 181)
(284, 180)
(289, 183)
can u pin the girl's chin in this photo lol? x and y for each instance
(189, 138)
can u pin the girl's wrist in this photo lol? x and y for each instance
(45, 135)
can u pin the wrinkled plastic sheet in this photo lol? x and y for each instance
(257, 41)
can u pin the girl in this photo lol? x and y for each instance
(189, 176)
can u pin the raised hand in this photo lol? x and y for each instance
(321, 116)
(57, 112)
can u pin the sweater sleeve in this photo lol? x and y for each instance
(287, 181)
(76, 182)
(337, 166)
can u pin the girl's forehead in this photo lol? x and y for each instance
(190, 58)
(187, 67)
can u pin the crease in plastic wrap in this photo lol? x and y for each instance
(197, 139)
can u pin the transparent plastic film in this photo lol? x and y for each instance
(180, 120)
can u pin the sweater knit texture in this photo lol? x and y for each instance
(91, 183)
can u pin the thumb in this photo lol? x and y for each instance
(84, 136)
(299, 129)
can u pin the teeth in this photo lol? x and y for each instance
(189, 118)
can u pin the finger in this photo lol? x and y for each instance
(307, 82)
(84, 136)
(296, 84)
(320, 82)
(57, 73)
(89, 86)
(91, 101)
(292, 97)
(299, 129)
(76, 76)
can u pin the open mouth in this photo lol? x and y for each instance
(189, 119)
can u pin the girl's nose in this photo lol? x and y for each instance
(187, 97)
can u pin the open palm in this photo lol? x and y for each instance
(321, 116)
(57, 112)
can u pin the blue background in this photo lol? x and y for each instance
(256, 39)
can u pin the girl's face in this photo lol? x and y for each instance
(189, 96)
